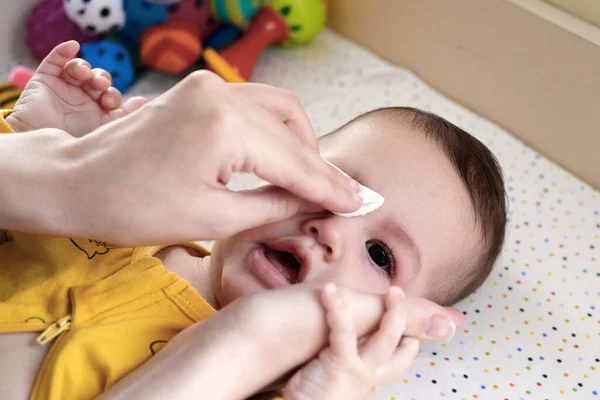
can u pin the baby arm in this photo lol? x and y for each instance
(272, 331)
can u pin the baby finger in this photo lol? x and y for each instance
(342, 334)
(380, 347)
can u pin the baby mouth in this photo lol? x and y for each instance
(285, 262)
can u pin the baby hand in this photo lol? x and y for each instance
(346, 371)
(66, 94)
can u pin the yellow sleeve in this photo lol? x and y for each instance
(4, 127)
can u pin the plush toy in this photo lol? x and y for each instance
(286, 22)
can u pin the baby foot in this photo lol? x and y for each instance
(67, 94)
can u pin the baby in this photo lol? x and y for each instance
(108, 309)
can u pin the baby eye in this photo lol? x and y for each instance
(381, 255)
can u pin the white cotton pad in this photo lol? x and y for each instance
(371, 200)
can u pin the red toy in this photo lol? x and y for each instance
(289, 23)
(236, 62)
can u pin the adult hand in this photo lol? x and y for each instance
(159, 175)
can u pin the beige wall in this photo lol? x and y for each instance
(530, 76)
(588, 10)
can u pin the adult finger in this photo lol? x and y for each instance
(383, 342)
(398, 363)
(247, 209)
(427, 320)
(459, 318)
(304, 173)
(284, 105)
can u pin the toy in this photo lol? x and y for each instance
(96, 16)
(286, 22)
(236, 12)
(176, 45)
(306, 19)
(140, 15)
(167, 35)
(114, 58)
(19, 76)
(48, 25)
(163, 2)
(236, 62)
(223, 36)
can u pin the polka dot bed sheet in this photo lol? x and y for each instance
(533, 328)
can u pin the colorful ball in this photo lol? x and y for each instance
(195, 12)
(48, 25)
(305, 18)
(140, 15)
(236, 12)
(114, 58)
(171, 48)
(96, 16)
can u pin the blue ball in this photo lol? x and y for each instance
(223, 37)
(114, 58)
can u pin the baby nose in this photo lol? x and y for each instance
(328, 233)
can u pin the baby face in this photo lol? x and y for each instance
(425, 231)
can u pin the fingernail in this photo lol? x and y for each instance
(355, 185)
(357, 199)
(439, 327)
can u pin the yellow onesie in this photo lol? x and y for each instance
(103, 309)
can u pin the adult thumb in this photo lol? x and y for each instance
(251, 208)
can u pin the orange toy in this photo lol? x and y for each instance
(174, 46)
(171, 47)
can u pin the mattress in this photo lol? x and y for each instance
(533, 328)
